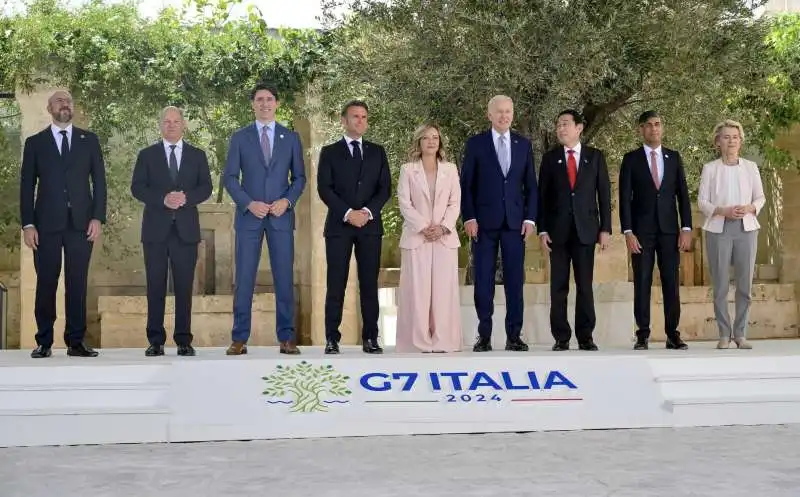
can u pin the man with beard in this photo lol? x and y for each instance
(62, 216)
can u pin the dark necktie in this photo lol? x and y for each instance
(356, 150)
(64, 143)
(173, 164)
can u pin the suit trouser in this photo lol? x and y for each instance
(281, 260)
(338, 251)
(581, 257)
(738, 247)
(663, 247)
(512, 251)
(77, 252)
(181, 258)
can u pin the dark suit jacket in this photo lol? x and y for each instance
(152, 182)
(588, 206)
(344, 184)
(48, 182)
(642, 208)
(248, 177)
(491, 198)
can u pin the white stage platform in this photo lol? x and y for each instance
(124, 397)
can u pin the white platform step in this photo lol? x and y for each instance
(123, 397)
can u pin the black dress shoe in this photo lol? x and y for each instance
(41, 352)
(81, 350)
(154, 350)
(641, 344)
(482, 345)
(186, 350)
(331, 347)
(516, 345)
(371, 346)
(675, 343)
(561, 345)
(587, 345)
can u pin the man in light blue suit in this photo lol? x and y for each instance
(265, 176)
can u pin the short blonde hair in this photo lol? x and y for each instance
(727, 123)
(415, 152)
(497, 99)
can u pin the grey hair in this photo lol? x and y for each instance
(167, 109)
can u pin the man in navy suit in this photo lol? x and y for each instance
(498, 205)
(62, 217)
(265, 176)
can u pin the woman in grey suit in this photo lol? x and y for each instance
(731, 196)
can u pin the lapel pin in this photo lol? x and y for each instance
(281, 137)
(83, 136)
(559, 161)
(666, 156)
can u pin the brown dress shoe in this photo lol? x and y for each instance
(237, 348)
(288, 347)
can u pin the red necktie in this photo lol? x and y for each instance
(572, 168)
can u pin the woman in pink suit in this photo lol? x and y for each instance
(429, 193)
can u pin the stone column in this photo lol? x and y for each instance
(789, 228)
(35, 117)
(310, 263)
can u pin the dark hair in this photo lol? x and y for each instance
(354, 103)
(576, 116)
(264, 86)
(648, 114)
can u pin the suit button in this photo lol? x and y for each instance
(573, 194)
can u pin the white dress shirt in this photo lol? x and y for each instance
(57, 135)
(178, 151)
(349, 141)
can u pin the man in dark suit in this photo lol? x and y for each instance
(652, 189)
(574, 215)
(353, 180)
(498, 205)
(171, 178)
(61, 214)
(265, 176)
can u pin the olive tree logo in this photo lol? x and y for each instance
(308, 385)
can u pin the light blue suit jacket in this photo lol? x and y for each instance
(248, 177)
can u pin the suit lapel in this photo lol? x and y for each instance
(493, 151)
(441, 177)
(646, 165)
(183, 164)
(255, 140)
(585, 163)
(277, 142)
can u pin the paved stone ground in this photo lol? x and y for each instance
(703, 462)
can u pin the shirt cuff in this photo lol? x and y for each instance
(347, 214)
(542, 233)
(625, 232)
(368, 212)
(528, 221)
(686, 229)
(28, 226)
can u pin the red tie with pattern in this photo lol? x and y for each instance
(572, 168)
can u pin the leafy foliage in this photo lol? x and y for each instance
(122, 69)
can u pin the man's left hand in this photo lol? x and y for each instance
(527, 230)
(685, 241)
(93, 233)
(603, 240)
(279, 207)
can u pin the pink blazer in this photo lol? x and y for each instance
(419, 211)
(711, 186)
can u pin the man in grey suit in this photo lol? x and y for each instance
(265, 176)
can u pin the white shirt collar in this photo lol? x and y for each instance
(269, 125)
(648, 149)
(178, 144)
(496, 134)
(347, 139)
(56, 130)
(576, 148)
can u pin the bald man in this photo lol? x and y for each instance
(62, 214)
(171, 178)
(498, 205)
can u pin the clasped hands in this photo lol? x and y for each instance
(358, 218)
(737, 211)
(434, 232)
(263, 209)
(175, 200)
